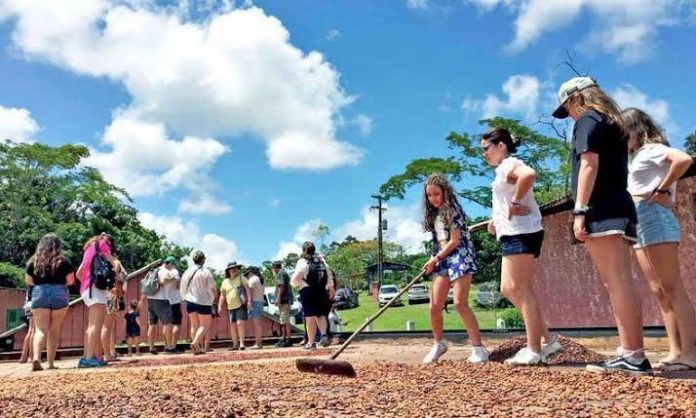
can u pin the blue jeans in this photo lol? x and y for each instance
(50, 296)
(256, 309)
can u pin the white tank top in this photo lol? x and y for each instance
(503, 192)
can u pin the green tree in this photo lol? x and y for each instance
(690, 144)
(46, 189)
(547, 155)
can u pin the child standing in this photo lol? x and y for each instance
(517, 225)
(452, 264)
(133, 328)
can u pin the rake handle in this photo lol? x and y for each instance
(369, 320)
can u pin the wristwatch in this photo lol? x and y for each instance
(581, 210)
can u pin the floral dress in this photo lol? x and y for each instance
(461, 261)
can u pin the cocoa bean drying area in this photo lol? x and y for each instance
(390, 382)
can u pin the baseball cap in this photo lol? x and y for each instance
(568, 88)
(170, 259)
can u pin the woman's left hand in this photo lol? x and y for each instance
(662, 199)
(431, 264)
(579, 228)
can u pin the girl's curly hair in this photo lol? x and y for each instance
(448, 210)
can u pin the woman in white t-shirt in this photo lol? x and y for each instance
(199, 291)
(517, 225)
(654, 170)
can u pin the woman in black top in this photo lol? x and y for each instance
(50, 272)
(604, 214)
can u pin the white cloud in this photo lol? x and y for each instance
(364, 124)
(522, 93)
(417, 4)
(628, 28)
(304, 232)
(275, 202)
(629, 96)
(218, 250)
(145, 161)
(233, 72)
(17, 125)
(204, 204)
(332, 34)
(404, 227)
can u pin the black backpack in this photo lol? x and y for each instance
(317, 274)
(103, 274)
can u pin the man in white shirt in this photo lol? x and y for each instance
(159, 310)
(172, 280)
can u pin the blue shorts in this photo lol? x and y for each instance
(611, 226)
(199, 309)
(256, 310)
(656, 225)
(50, 296)
(522, 244)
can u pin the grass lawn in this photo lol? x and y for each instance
(394, 319)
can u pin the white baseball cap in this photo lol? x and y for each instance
(568, 88)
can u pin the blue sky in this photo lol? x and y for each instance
(237, 128)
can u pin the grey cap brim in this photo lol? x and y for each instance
(561, 112)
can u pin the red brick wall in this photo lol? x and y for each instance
(567, 283)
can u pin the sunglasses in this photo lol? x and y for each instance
(486, 148)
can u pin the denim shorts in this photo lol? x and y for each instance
(522, 244)
(238, 314)
(50, 296)
(199, 309)
(656, 225)
(256, 309)
(611, 226)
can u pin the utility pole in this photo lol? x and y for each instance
(380, 259)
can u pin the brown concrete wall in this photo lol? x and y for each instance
(567, 283)
(9, 299)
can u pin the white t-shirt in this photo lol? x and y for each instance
(503, 193)
(257, 288)
(647, 168)
(162, 293)
(171, 285)
(440, 230)
(301, 271)
(198, 288)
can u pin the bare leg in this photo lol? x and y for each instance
(106, 335)
(95, 316)
(233, 334)
(311, 323)
(611, 257)
(42, 324)
(57, 317)
(441, 287)
(241, 329)
(461, 304)
(28, 341)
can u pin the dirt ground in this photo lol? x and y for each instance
(391, 382)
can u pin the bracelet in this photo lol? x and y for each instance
(662, 191)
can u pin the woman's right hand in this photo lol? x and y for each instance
(491, 227)
(431, 264)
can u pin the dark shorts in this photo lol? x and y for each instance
(176, 313)
(238, 314)
(611, 226)
(315, 301)
(50, 296)
(522, 244)
(199, 309)
(159, 310)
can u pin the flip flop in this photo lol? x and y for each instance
(675, 366)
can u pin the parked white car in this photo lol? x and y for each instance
(387, 293)
(270, 307)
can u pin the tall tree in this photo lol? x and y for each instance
(690, 144)
(548, 155)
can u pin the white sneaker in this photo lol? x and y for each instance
(479, 354)
(439, 348)
(551, 348)
(525, 357)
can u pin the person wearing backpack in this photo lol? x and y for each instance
(313, 279)
(169, 278)
(199, 291)
(96, 273)
(235, 293)
(154, 287)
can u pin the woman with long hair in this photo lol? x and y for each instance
(50, 273)
(94, 298)
(654, 170)
(604, 214)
